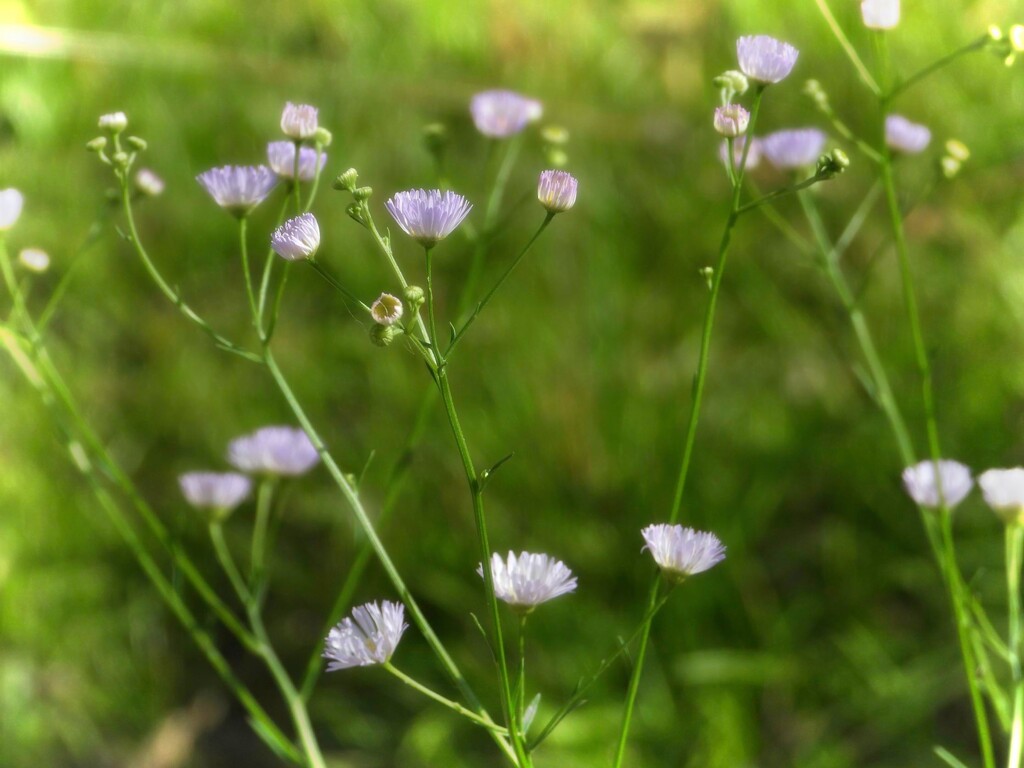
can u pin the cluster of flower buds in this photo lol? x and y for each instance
(110, 148)
(555, 139)
(1006, 45)
(953, 159)
(831, 164)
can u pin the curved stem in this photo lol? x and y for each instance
(257, 570)
(243, 246)
(227, 563)
(848, 49)
(452, 705)
(975, 45)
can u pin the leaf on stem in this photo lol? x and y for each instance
(485, 476)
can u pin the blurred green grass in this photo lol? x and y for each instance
(822, 641)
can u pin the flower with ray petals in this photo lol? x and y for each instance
(904, 136)
(297, 238)
(299, 121)
(556, 190)
(219, 492)
(919, 482)
(34, 259)
(281, 158)
(499, 114)
(387, 309)
(753, 156)
(731, 120)
(880, 14)
(1003, 490)
(682, 552)
(11, 202)
(793, 149)
(282, 451)
(428, 215)
(765, 59)
(528, 580)
(369, 637)
(238, 188)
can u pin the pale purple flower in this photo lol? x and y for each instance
(297, 238)
(281, 158)
(220, 491)
(753, 156)
(34, 259)
(556, 190)
(682, 552)
(428, 215)
(796, 148)
(369, 637)
(299, 121)
(880, 14)
(765, 59)
(238, 188)
(920, 483)
(273, 451)
(528, 580)
(731, 120)
(904, 136)
(1003, 490)
(387, 309)
(11, 201)
(148, 183)
(115, 122)
(500, 114)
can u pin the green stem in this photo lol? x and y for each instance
(316, 177)
(296, 184)
(268, 268)
(249, 291)
(520, 698)
(227, 563)
(782, 192)
(257, 570)
(917, 77)
(848, 48)
(700, 378)
(1014, 551)
(333, 282)
(432, 310)
(452, 705)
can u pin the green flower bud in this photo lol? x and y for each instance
(97, 144)
(347, 180)
(414, 297)
(383, 335)
(734, 82)
(136, 143)
(435, 138)
(323, 137)
(362, 193)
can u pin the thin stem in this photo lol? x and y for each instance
(243, 246)
(700, 378)
(848, 48)
(227, 563)
(521, 684)
(268, 268)
(296, 183)
(264, 502)
(431, 309)
(782, 192)
(920, 75)
(333, 282)
(452, 705)
(1014, 551)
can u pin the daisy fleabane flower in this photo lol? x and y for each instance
(428, 215)
(731, 120)
(765, 59)
(238, 188)
(1003, 490)
(281, 159)
(299, 121)
(682, 552)
(528, 580)
(297, 238)
(219, 491)
(955, 478)
(11, 202)
(880, 14)
(905, 136)
(273, 451)
(793, 149)
(499, 114)
(387, 309)
(369, 637)
(556, 190)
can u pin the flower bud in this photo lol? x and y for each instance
(34, 259)
(323, 137)
(148, 183)
(383, 335)
(139, 145)
(814, 91)
(97, 144)
(731, 120)
(732, 82)
(387, 309)
(435, 138)
(556, 191)
(958, 150)
(414, 297)
(355, 212)
(347, 180)
(362, 193)
(115, 122)
(832, 163)
(120, 159)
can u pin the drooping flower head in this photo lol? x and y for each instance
(11, 202)
(369, 637)
(220, 492)
(1003, 490)
(299, 121)
(281, 158)
(34, 259)
(793, 149)
(387, 309)
(499, 114)
(283, 451)
(904, 136)
(765, 59)
(428, 215)
(682, 552)
(297, 238)
(238, 188)
(954, 478)
(731, 120)
(556, 190)
(880, 14)
(753, 156)
(148, 183)
(528, 580)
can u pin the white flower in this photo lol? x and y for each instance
(904, 136)
(556, 190)
(500, 114)
(731, 120)
(428, 215)
(34, 259)
(11, 202)
(115, 122)
(919, 482)
(880, 14)
(765, 59)
(148, 183)
(238, 188)
(281, 158)
(221, 491)
(273, 451)
(297, 238)
(529, 580)
(682, 552)
(369, 637)
(387, 309)
(793, 149)
(1003, 490)
(299, 121)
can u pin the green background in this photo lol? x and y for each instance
(823, 640)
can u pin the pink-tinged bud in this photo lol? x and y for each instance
(731, 120)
